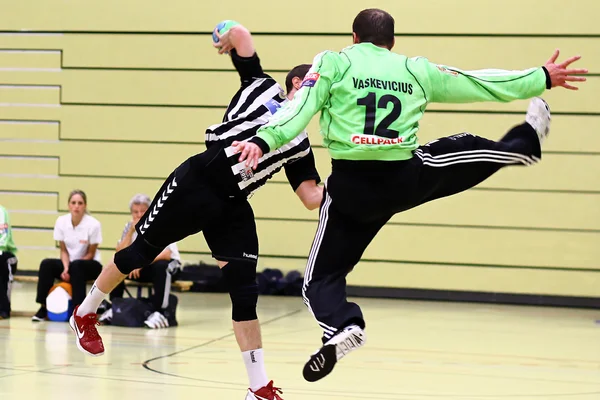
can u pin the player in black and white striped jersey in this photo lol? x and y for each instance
(208, 192)
(258, 98)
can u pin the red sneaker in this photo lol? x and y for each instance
(268, 392)
(86, 334)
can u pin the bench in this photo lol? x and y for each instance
(177, 286)
(25, 278)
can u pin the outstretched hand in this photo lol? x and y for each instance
(249, 152)
(560, 75)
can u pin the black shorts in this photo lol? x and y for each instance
(201, 195)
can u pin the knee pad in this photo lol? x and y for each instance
(139, 254)
(240, 278)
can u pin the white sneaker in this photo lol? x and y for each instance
(538, 116)
(322, 362)
(106, 317)
(156, 321)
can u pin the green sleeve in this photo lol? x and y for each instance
(293, 118)
(6, 239)
(444, 84)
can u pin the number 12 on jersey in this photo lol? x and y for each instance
(371, 104)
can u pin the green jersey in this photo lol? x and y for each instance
(6, 240)
(371, 100)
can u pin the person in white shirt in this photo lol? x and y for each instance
(161, 272)
(78, 235)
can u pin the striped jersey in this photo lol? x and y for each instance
(257, 100)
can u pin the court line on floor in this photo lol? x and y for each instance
(146, 364)
(15, 374)
(347, 394)
(133, 336)
(26, 371)
(358, 395)
(120, 379)
(355, 395)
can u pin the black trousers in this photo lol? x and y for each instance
(8, 267)
(200, 195)
(80, 272)
(161, 279)
(361, 196)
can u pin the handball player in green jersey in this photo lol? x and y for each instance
(371, 101)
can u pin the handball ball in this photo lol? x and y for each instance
(223, 27)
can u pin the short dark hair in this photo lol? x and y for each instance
(298, 71)
(374, 26)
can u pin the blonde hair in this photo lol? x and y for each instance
(83, 196)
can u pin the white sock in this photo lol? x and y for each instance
(92, 301)
(255, 367)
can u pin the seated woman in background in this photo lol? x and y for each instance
(79, 235)
(160, 272)
(8, 263)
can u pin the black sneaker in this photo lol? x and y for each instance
(322, 362)
(40, 315)
(4, 315)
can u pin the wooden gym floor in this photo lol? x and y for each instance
(415, 351)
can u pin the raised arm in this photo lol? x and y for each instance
(444, 84)
(238, 42)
